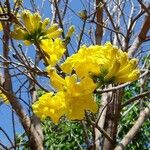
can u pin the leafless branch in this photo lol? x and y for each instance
(99, 20)
(132, 132)
(141, 36)
(144, 7)
(1, 129)
(137, 97)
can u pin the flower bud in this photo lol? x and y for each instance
(70, 31)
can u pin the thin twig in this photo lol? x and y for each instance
(144, 7)
(14, 129)
(3, 146)
(99, 128)
(142, 95)
(81, 34)
(102, 131)
(4, 132)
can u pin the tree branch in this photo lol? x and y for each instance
(102, 131)
(144, 7)
(99, 20)
(142, 95)
(81, 34)
(141, 37)
(132, 132)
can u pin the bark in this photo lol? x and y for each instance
(106, 97)
(132, 132)
(111, 122)
(141, 37)
(99, 20)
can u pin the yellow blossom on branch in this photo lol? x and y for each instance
(72, 95)
(33, 29)
(83, 62)
(50, 105)
(70, 31)
(78, 94)
(93, 65)
(105, 64)
(53, 49)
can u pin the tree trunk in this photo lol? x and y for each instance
(35, 140)
(112, 119)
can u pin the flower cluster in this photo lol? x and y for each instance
(92, 66)
(71, 100)
(50, 105)
(38, 32)
(83, 72)
(33, 29)
(105, 64)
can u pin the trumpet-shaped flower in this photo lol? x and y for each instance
(106, 64)
(82, 62)
(80, 97)
(50, 105)
(34, 29)
(53, 49)
(72, 99)
(78, 94)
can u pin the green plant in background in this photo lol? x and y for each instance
(129, 116)
(65, 136)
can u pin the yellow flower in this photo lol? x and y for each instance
(34, 29)
(70, 31)
(72, 99)
(3, 98)
(50, 105)
(105, 64)
(1, 28)
(56, 81)
(82, 62)
(18, 2)
(54, 50)
(80, 97)
(78, 94)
